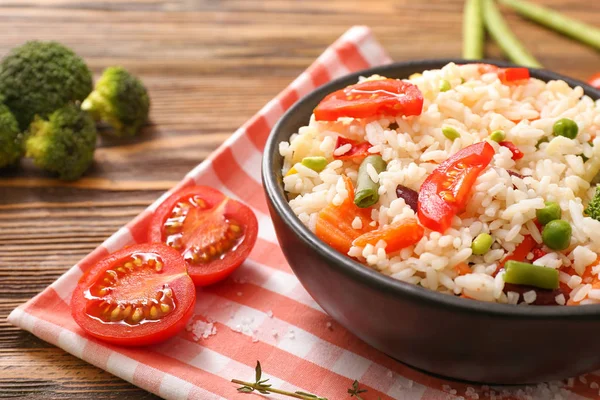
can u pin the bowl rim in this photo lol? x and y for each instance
(375, 279)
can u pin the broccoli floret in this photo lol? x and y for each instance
(593, 207)
(63, 144)
(120, 100)
(40, 77)
(11, 148)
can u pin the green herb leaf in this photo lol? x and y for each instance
(258, 370)
(245, 389)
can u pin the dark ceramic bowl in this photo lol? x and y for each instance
(442, 334)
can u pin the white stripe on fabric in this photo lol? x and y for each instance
(373, 53)
(272, 111)
(118, 240)
(350, 364)
(278, 281)
(248, 157)
(302, 85)
(72, 343)
(65, 285)
(172, 387)
(125, 365)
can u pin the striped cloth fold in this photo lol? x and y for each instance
(261, 312)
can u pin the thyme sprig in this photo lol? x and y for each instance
(260, 385)
(354, 391)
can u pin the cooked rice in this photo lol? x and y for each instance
(501, 204)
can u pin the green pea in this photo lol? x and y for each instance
(444, 85)
(498, 136)
(482, 244)
(557, 234)
(450, 132)
(565, 127)
(549, 213)
(316, 163)
(521, 273)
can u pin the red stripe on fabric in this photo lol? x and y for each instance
(258, 131)
(237, 181)
(284, 365)
(318, 74)
(269, 254)
(287, 98)
(96, 255)
(138, 227)
(350, 56)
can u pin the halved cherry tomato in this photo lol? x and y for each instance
(397, 235)
(516, 153)
(214, 233)
(595, 80)
(446, 189)
(137, 296)
(389, 97)
(358, 151)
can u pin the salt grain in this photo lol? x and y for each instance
(270, 314)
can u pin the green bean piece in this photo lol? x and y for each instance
(565, 127)
(521, 273)
(367, 191)
(482, 244)
(549, 213)
(444, 85)
(573, 28)
(557, 234)
(498, 136)
(450, 132)
(507, 41)
(473, 33)
(316, 163)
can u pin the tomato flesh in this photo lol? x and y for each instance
(446, 189)
(516, 153)
(595, 80)
(214, 233)
(137, 296)
(358, 151)
(389, 97)
(510, 75)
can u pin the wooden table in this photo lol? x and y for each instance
(209, 65)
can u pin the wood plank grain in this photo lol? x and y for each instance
(209, 65)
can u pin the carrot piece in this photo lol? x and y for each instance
(334, 223)
(520, 252)
(462, 268)
(398, 235)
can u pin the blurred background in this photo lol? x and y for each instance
(208, 65)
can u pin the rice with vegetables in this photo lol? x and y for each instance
(471, 180)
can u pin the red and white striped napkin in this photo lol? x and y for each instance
(261, 312)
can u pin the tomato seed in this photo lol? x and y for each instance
(137, 315)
